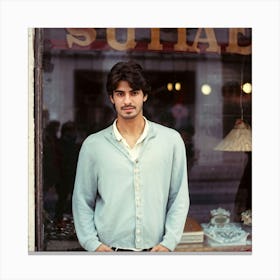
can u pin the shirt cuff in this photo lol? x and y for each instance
(169, 244)
(91, 245)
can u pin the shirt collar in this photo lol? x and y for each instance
(140, 139)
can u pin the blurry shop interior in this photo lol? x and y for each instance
(201, 86)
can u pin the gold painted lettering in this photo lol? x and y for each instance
(181, 44)
(128, 44)
(80, 36)
(155, 40)
(210, 40)
(233, 46)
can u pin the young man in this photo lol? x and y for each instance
(131, 189)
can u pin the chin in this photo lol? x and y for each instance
(129, 117)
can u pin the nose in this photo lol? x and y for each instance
(127, 100)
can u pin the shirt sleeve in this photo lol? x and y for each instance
(83, 201)
(178, 201)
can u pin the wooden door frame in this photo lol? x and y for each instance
(35, 178)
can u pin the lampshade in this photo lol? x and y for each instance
(239, 139)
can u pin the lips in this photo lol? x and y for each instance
(128, 108)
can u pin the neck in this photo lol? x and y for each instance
(131, 127)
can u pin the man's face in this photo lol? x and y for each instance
(128, 102)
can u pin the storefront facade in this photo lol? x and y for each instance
(196, 76)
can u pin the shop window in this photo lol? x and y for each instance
(195, 90)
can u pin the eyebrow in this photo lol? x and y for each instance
(119, 90)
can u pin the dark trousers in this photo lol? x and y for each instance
(128, 250)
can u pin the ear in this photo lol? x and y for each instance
(145, 98)
(112, 99)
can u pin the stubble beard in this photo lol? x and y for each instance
(131, 115)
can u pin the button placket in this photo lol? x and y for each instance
(137, 191)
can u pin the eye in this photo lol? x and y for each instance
(135, 92)
(119, 93)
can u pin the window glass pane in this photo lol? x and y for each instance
(196, 76)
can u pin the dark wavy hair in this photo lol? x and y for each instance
(130, 72)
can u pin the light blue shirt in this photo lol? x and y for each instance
(127, 203)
